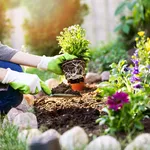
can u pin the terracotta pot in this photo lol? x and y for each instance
(77, 86)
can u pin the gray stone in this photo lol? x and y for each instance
(50, 133)
(105, 75)
(47, 141)
(11, 115)
(104, 143)
(74, 139)
(141, 142)
(29, 135)
(26, 121)
(92, 77)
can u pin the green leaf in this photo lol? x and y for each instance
(105, 109)
(126, 28)
(139, 125)
(120, 8)
(129, 21)
(119, 27)
(130, 5)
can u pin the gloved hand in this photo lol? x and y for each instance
(53, 63)
(24, 82)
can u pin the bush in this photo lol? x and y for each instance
(106, 54)
(43, 26)
(134, 17)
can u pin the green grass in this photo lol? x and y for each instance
(8, 138)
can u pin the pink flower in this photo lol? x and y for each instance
(117, 100)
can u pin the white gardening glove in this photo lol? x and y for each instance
(24, 82)
(54, 63)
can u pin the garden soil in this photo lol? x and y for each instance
(63, 113)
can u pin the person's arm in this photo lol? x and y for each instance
(26, 59)
(3, 72)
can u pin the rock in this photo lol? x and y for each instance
(73, 139)
(29, 135)
(25, 121)
(24, 106)
(11, 116)
(39, 143)
(105, 76)
(51, 133)
(52, 83)
(105, 142)
(46, 141)
(141, 142)
(92, 77)
(29, 98)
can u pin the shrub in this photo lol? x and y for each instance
(134, 17)
(106, 54)
(72, 41)
(43, 26)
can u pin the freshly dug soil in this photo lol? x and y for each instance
(64, 89)
(63, 113)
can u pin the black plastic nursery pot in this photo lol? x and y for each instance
(74, 71)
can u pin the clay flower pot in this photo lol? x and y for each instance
(74, 71)
(77, 86)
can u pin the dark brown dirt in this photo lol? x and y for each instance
(64, 89)
(63, 113)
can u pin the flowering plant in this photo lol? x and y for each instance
(127, 92)
(72, 40)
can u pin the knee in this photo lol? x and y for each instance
(12, 66)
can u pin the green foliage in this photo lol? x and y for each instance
(5, 24)
(43, 26)
(72, 40)
(134, 16)
(106, 54)
(123, 78)
(9, 138)
(128, 118)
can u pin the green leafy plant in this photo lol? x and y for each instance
(127, 92)
(72, 40)
(134, 17)
(9, 138)
(106, 54)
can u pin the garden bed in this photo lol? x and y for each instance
(63, 113)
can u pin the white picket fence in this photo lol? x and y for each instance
(99, 23)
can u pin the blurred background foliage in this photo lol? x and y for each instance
(47, 19)
(134, 16)
(5, 24)
(105, 54)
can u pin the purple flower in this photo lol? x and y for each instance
(135, 78)
(135, 70)
(117, 100)
(137, 85)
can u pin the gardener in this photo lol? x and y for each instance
(20, 83)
